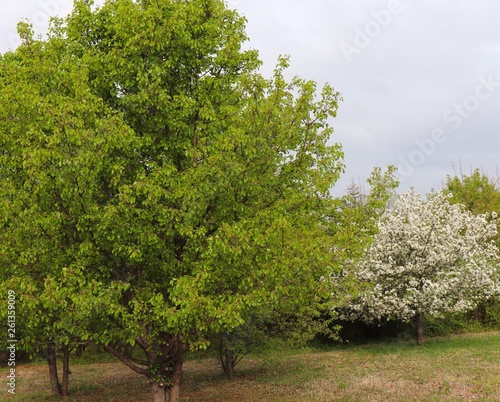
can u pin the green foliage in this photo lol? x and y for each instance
(478, 192)
(155, 187)
(486, 316)
(232, 346)
(54, 151)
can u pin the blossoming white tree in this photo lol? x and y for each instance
(428, 258)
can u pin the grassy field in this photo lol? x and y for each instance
(457, 368)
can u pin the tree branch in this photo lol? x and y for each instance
(129, 363)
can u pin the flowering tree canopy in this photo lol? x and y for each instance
(427, 258)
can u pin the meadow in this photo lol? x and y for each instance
(454, 368)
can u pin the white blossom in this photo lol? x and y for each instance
(428, 258)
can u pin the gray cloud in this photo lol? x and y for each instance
(427, 59)
(397, 88)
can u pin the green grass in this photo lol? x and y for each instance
(454, 368)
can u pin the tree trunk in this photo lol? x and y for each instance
(50, 355)
(65, 379)
(177, 373)
(170, 393)
(416, 322)
(229, 362)
(160, 394)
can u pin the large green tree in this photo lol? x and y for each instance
(60, 147)
(155, 184)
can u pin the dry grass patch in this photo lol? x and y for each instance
(458, 368)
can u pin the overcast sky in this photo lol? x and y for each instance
(420, 80)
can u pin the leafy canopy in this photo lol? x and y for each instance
(148, 167)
